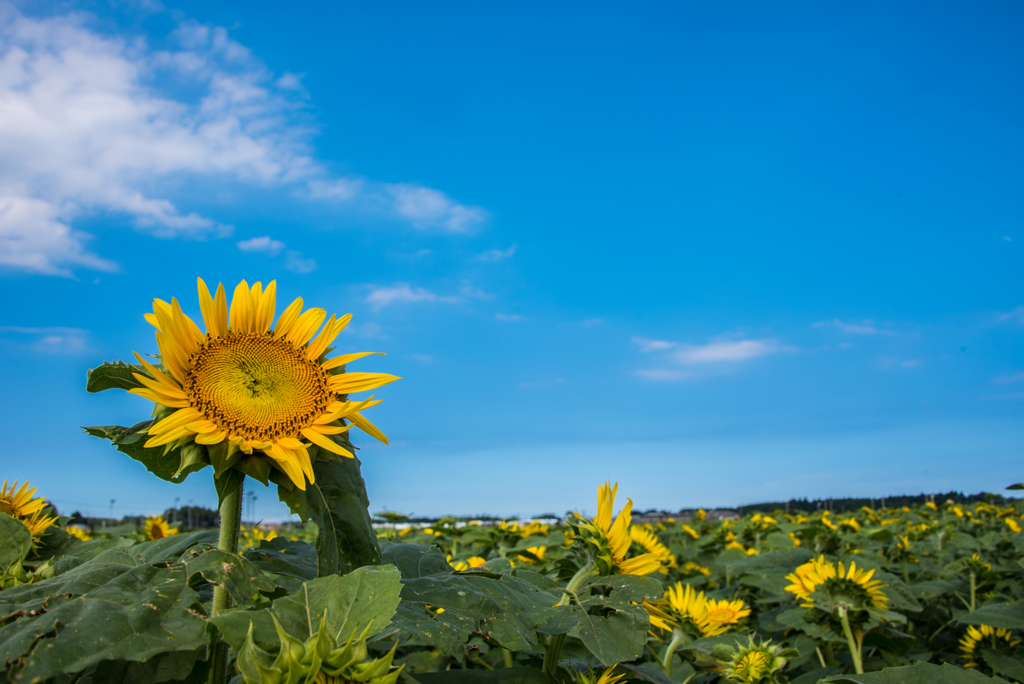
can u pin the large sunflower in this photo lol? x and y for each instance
(19, 504)
(819, 574)
(253, 386)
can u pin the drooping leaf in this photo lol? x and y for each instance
(338, 504)
(130, 440)
(1003, 664)
(415, 560)
(609, 619)
(282, 556)
(15, 542)
(918, 673)
(366, 598)
(116, 375)
(1006, 615)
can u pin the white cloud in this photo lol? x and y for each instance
(664, 374)
(725, 351)
(93, 124)
(264, 244)
(1007, 379)
(399, 293)
(647, 345)
(497, 254)
(509, 318)
(295, 263)
(422, 358)
(54, 340)
(1017, 315)
(864, 328)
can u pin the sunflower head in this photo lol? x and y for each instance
(986, 635)
(249, 393)
(754, 663)
(79, 533)
(19, 504)
(157, 528)
(606, 677)
(605, 541)
(827, 585)
(644, 539)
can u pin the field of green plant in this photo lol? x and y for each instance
(930, 593)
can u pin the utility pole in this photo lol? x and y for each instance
(111, 510)
(190, 513)
(174, 511)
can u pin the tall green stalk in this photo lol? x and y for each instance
(230, 522)
(678, 639)
(554, 649)
(858, 663)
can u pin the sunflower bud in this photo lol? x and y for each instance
(754, 663)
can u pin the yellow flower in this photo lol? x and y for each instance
(252, 536)
(469, 563)
(78, 533)
(537, 551)
(796, 539)
(958, 511)
(723, 614)
(851, 523)
(19, 504)
(157, 528)
(975, 635)
(691, 568)
(690, 531)
(687, 603)
(606, 677)
(711, 617)
(646, 540)
(700, 515)
(822, 573)
(735, 545)
(1012, 524)
(252, 387)
(751, 667)
(618, 536)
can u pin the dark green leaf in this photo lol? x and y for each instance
(365, 598)
(1007, 615)
(1003, 664)
(338, 504)
(130, 440)
(117, 375)
(15, 542)
(918, 673)
(415, 560)
(1019, 485)
(282, 556)
(507, 675)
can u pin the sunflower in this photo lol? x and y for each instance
(606, 677)
(469, 563)
(78, 532)
(690, 531)
(251, 386)
(537, 554)
(722, 615)
(750, 667)
(976, 634)
(19, 504)
(711, 617)
(754, 663)
(646, 540)
(618, 536)
(835, 578)
(157, 528)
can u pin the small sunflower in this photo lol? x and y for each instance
(834, 578)
(690, 568)
(607, 677)
(78, 532)
(536, 554)
(157, 528)
(974, 636)
(19, 504)
(469, 563)
(611, 539)
(646, 540)
(251, 385)
(722, 615)
(690, 531)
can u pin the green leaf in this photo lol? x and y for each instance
(130, 440)
(505, 608)
(1007, 615)
(338, 504)
(282, 556)
(180, 666)
(918, 673)
(415, 560)
(447, 632)
(1002, 664)
(366, 598)
(117, 375)
(15, 542)
(1018, 485)
(122, 611)
(608, 619)
(237, 575)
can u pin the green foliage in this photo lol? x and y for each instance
(919, 673)
(117, 375)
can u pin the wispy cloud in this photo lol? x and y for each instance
(52, 340)
(1007, 379)
(91, 123)
(647, 345)
(497, 254)
(542, 383)
(264, 244)
(664, 374)
(863, 328)
(725, 351)
(509, 318)
(1016, 315)
(399, 293)
(293, 259)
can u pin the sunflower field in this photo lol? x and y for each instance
(931, 593)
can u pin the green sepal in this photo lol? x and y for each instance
(255, 664)
(255, 466)
(193, 458)
(228, 482)
(116, 375)
(289, 659)
(223, 455)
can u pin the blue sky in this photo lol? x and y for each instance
(719, 253)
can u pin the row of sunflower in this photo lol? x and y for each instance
(929, 593)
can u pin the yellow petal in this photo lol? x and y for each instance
(346, 383)
(161, 399)
(368, 427)
(346, 359)
(265, 308)
(240, 317)
(157, 374)
(306, 326)
(288, 318)
(324, 442)
(211, 437)
(326, 336)
(216, 325)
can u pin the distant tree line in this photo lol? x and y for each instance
(188, 517)
(850, 504)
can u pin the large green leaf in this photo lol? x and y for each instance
(1007, 615)
(282, 556)
(338, 504)
(505, 675)
(609, 619)
(918, 673)
(116, 375)
(366, 598)
(415, 560)
(505, 608)
(1003, 664)
(15, 542)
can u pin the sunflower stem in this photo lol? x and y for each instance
(858, 665)
(974, 589)
(554, 647)
(678, 639)
(230, 522)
